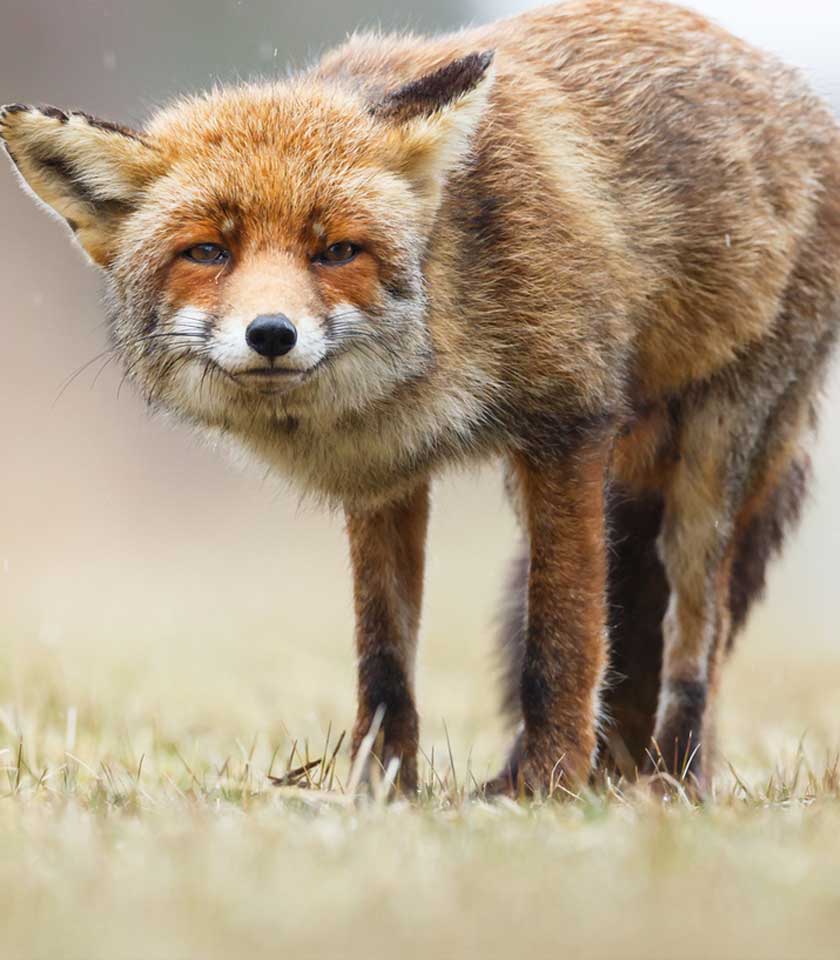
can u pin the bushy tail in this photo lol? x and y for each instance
(762, 539)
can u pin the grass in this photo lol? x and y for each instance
(106, 865)
(124, 835)
(149, 696)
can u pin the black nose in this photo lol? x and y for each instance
(271, 335)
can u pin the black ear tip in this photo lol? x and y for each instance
(9, 109)
(12, 109)
(486, 58)
(474, 64)
(55, 114)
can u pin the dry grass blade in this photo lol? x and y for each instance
(363, 755)
(292, 778)
(329, 768)
(748, 794)
(456, 791)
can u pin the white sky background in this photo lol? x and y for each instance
(802, 599)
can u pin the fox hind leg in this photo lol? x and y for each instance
(736, 489)
(638, 596)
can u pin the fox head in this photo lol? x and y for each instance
(263, 245)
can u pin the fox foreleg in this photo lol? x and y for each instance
(387, 551)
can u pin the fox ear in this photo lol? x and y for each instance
(432, 119)
(90, 172)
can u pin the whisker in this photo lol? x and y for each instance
(101, 370)
(77, 373)
(128, 371)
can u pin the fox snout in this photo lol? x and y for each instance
(271, 335)
(265, 346)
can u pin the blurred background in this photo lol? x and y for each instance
(129, 551)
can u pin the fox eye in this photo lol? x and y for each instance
(338, 253)
(207, 253)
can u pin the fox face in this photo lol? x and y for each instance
(263, 245)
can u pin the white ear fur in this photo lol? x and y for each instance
(88, 171)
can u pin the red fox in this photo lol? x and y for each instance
(599, 242)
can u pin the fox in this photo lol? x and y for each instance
(597, 244)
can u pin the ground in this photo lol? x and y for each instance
(141, 712)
